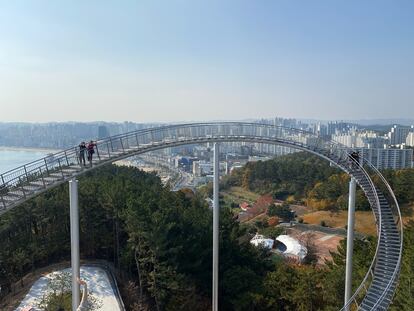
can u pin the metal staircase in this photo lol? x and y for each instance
(378, 286)
(385, 267)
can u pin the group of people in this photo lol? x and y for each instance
(86, 148)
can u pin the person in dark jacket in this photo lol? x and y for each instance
(354, 158)
(82, 151)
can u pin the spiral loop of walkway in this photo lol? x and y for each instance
(378, 286)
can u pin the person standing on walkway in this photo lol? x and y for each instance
(82, 151)
(91, 151)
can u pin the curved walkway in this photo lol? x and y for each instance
(378, 287)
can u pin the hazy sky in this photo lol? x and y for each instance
(199, 60)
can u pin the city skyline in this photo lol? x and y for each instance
(177, 61)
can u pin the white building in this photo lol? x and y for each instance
(202, 168)
(260, 240)
(398, 134)
(410, 139)
(290, 247)
(258, 158)
(356, 139)
(386, 158)
(272, 149)
(349, 140)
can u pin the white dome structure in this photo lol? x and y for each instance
(260, 240)
(291, 247)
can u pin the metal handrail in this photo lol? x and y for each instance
(149, 130)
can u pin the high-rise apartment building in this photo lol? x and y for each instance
(355, 139)
(398, 134)
(386, 158)
(103, 132)
(409, 141)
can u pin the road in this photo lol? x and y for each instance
(185, 180)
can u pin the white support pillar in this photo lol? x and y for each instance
(216, 214)
(350, 240)
(74, 240)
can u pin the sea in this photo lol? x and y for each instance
(11, 158)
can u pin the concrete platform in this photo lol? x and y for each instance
(99, 284)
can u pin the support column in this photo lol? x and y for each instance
(74, 240)
(216, 213)
(350, 240)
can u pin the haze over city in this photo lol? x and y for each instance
(152, 61)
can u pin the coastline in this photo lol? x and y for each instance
(34, 149)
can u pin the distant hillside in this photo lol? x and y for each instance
(367, 122)
(307, 178)
(405, 122)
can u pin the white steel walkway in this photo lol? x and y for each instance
(378, 287)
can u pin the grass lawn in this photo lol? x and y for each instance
(239, 195)
(364, 220)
